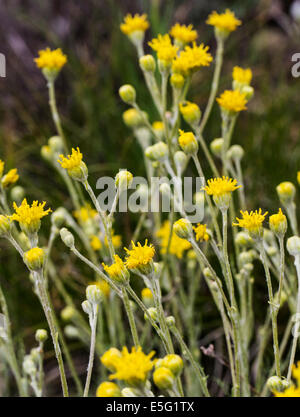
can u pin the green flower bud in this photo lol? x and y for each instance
(147, 63)
(216, 146)
(67, 237)
(177, 81)
(183, 228)
(41, 335)
(157, 152)
(152, 313)
(68, 313)
(17, 194)
(286, 192)
(93, 294)
(56, 144)
(163, 378)
(123, 180)
(235, 152)
(127, 93)
(293, 245)
(87, 307)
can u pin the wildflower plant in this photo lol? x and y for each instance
(168, 261)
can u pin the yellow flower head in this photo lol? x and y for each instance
(183, 34)
(177, 245)
(278, 223)
(298, 177)
(71, 161)
(74, 165)
(109, 358)
(140, 257)
(29, 217)
(136, 23)
(226, 22)
(117, 271)
(133, 368)
(159, 126)
(34, 258)
(108, 389)
(164, 48)
(221, 189)
(51, 60)
(201, 233)
(293, 390)
(147, 294)
(103, 287)
(190, 112)
(95, 243)
(1, 168)
(252, 222)
(116, 241)
(241, 75)
(85, 213)
(188, 142)
(10, 178)
(191, 59)
(233, 101)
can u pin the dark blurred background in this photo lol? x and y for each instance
(100, 59)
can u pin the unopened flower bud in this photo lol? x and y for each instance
(87, 307)
(271, 250)
(123, 180)
(278, 223)
(4, 226)
(188, 142)
(67, 237)
(128, 392)
(58, 217)
(34, 258)
(56, 144)
(68, 313)
(293, 245)
(152, 313)
(170, 320)
(165, 189)
(147, 63)
(286, 192)
(243, 239)
(245, 258)
(46, 153)
(147, 297)
(17, 194)
(71, 332)
(157, 152)
(248, 91)
(172, 362)
(275, 383)
(132, 118)
(127, 93)
(180, 160)
(216, 146)
(177, 81)
(108, 389)
(183, 228)
(235, 152)
(163, 378)
(208, 274)
(29, 366)
(41, 335)
(190, 112)
(93, 294)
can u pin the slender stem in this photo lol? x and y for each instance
(215, 83)
(55, 114)
(53, 330)
(197, 368)
(296, 327)
(92, 350)
(272, 308)
(207, 154)
(130, 317)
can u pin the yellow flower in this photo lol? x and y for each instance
(188, 142)
(190, 112)
(109, 358)
(133, 368)
(108, 389)
(224, 21)
(95, 243)
(241, 75)
(29, 217)
(252, 222)
(218, 187)
(85, 213)
(191, 59)
(10, 178)
(140, 257)
(233, 101)
(1, 168)
(201, 233)
(278, 223)
(51, 60)
(159, 126)
(183, 34)
(103, 286)
(74, 165)
(298, 177)
(289, 392)
(164, 48)
(147, 294)
(117, 271)
(116, 241)
(177, 245)
(34, 258)
(136, 23)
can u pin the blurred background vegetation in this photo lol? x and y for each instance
(100, 59)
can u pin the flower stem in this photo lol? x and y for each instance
(92, 350)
